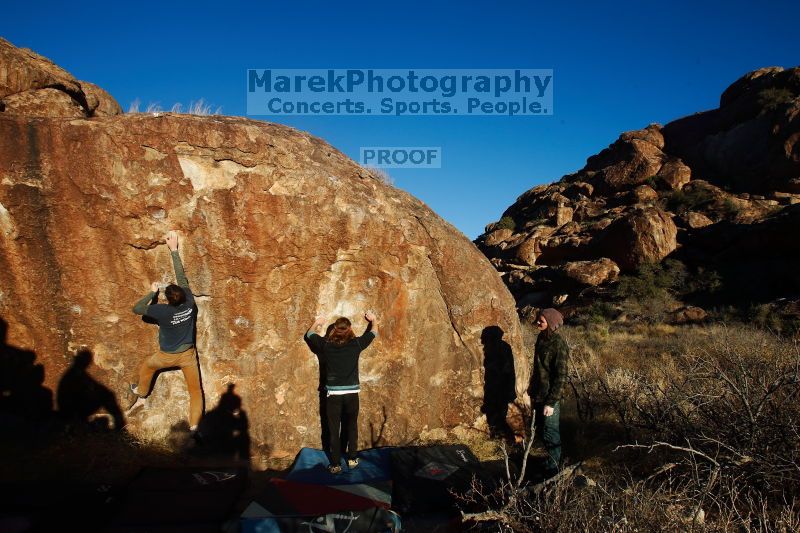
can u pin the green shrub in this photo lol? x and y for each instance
(774, 98)
(599, 312)
(506, 223)
(657, 288)
(654, 181)
(769, 317)
(682, 201)
(703, 281)
(653, 280)
(731, 208)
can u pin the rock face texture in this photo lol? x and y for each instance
(277, 227)
(690, 190)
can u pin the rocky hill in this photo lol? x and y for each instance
(717, 191)
(278, 227)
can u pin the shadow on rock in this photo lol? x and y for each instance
(499, 381)
(82, 400)
(25, 403)
(224, 430)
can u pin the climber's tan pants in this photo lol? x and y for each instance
(187, 361)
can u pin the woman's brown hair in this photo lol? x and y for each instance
(341, 332)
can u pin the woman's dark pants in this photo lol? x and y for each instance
(342, 408)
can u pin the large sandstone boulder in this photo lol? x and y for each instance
(277, 227)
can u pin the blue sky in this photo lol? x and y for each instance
(617, 66)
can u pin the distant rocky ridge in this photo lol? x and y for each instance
(716, 190)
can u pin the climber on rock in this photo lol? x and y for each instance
(176, 321)
(340, 349)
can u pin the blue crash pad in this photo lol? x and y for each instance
(311, 466)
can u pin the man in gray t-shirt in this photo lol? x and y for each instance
(176, 336)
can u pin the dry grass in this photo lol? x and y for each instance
(199, 107)
(380, 174)
(683, 428)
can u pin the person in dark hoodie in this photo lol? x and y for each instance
(547, 383)
(176, 337)
(339, 351)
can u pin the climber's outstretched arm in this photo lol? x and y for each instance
(320, 320)
(311, 337)
(372, 330)
(372, 322)
(180, 274)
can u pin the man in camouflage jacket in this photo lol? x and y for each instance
(547, 383)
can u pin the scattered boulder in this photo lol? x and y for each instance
(585, 210)
(688, 315)
(563, 215)
(643, 194)
(645, 235)
(562, 248)
(591, 273)
(529, 250)
(99, 102)
(43, 103)
(694, 220)
(651, 135)
(570, 228)
(601, 224)
(24, 70)
(579, 189)
(785, 198)
(498, 236)
(675, 174)
(559, 299)
(32, 85)
(625, 164)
